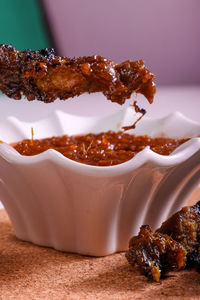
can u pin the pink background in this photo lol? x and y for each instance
(166, 34)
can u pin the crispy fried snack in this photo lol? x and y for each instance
(175, 245)
(184, 227)
(44, 76)
(155, 254)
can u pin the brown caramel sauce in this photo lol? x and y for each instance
(137, 110)
(103, 149)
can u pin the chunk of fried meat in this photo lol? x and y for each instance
(155, 254)
(44, 76)
(175, 245)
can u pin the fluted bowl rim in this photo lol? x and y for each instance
(189, 129)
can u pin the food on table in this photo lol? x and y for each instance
(44, 76)
(173, 246)
(184, 227)
(103, 149)
(155, 254)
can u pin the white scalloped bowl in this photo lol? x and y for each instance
(56, 202)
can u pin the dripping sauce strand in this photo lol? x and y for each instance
(138, 110)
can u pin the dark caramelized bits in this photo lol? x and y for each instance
(184, 227)
(103, 149)
(193, 259)
(10, 72)
(155, 254)
(173, 246)
(44, 76)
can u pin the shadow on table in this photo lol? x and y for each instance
(125, 280)
(41, 270)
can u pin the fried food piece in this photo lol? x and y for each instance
(44, 76)
(193, 260)
(184, 227)
(155, 254)
(173, 246)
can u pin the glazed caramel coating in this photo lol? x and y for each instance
(44, 76)
(155, 254)
(184, 227)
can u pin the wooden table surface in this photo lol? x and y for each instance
(31, 272)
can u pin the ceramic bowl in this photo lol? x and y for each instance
(56, 202)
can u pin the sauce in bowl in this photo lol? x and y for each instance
(103, 149)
